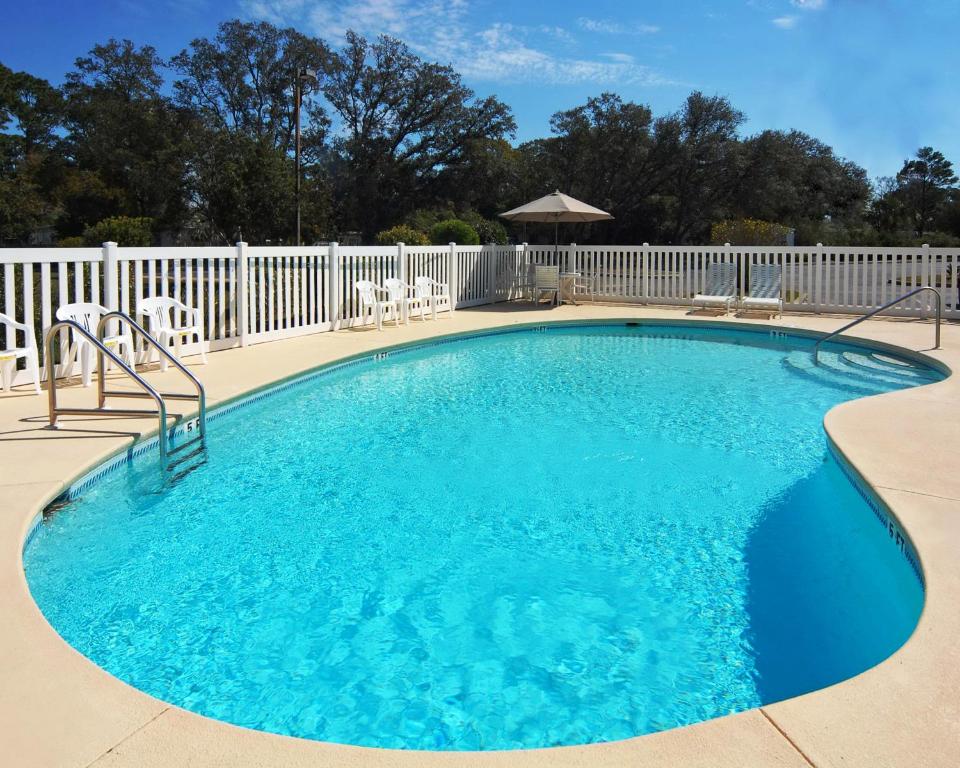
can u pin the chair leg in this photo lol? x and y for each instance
(203, 350)
(86, 363)
(33, 365)
(67, 362)
(7, 368)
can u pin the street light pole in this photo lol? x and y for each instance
(304, 75)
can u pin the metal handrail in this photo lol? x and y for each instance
(878, 310)
(103, 350)
(201, 396)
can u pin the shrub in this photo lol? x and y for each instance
(453, 231)
(75, 241)
(122, 230)
(748, 232)
(489, 231)
(402, 234)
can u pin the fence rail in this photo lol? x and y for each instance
(252, 294)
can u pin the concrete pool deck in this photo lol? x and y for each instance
(59, 709)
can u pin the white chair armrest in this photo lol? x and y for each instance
(19, 326)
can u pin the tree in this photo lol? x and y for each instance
(405, 123)
(30, 112)
(706, 163)
(923, 186)
(605, 152)
(240, 86)
(790, 178)
(123, 131)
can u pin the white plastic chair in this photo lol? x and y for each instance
(721, 287)
(546, 279)
(87, 316)
(434, 294)
(405, 297)
(766, 294)
(370, 305)
(9, 357)
(162, 312)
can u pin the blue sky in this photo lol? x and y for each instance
(873, 78)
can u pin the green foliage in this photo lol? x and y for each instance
(748, 232)
(487, 230)
(453, 231)
(922, 187)
(122, 230)
(406, 122)
(203, 146)
(402, 234)
(73, 241)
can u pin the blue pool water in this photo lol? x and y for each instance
(512, 541)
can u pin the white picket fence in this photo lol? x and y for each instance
(252, 294)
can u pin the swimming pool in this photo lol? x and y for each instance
(528, 539)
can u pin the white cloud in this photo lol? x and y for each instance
(621, 58)
(785, 22)
(809, 5)
(608, 27)
(441, 30)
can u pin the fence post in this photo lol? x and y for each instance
(645, 260)
(490, 253)
(111, 275)
(111, 283)
(243, 293)
(818, 274)
(401, 263)
(928, 278)
(333, 285)
(572, 257)
(454, 278)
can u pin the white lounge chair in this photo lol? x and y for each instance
(434, 294)
(720, 289)
(163, 314)
(765, 295)
(370, 305)
(546, 280)
(405, 297)
(9, 357)
(87, 316)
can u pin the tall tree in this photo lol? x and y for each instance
(706, 158)
(404, 122)
(126, 134)
(923, 186)
(241, 85)
(790, 177)
(30, 112)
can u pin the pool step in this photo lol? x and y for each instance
(859, 372)
(853, 382)
(889, 366)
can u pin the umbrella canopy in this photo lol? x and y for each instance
(556, 207)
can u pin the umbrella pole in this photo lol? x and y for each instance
(556, 242)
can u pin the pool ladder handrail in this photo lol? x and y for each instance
(54, 411)
(878, 310)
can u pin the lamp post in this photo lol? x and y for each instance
(304, 76)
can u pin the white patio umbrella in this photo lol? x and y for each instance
(556, 207)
